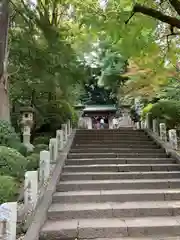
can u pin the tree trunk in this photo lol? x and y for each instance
(4, 94)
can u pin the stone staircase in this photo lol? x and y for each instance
(115, 184)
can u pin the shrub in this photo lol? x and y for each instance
(7, 133)
(33, 162)
(167, 111)
(8, 189)
(20, 147)
(40, 147)
(12, 163)
(41, 140)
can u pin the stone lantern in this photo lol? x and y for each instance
(27, 121)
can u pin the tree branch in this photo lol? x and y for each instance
(176, 5)
(157, 15)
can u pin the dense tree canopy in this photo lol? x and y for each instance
(63, 52)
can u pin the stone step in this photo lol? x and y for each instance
(110, 227)
(108, 132)
(116, 150)
(117, 195)
(89, 161)
(110, 137)
(117, 184)
(118, 135)
(129, 141)
(154, 237)
(121, 167)
(117, 155)
(110, 210)
(118, 175)
(115, 145)
(115, 138)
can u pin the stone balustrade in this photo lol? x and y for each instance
(160, 130)
(35, 183)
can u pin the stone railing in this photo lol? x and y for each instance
(17, 214)
(159, 131)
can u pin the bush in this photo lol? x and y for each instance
(41, 140)
(8, 189)
(33, 162)
(167, 111)
(9, 138)
(12, 162)
(7, 133)
(20, 147)
(41, 147)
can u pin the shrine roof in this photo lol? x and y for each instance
(100, 108)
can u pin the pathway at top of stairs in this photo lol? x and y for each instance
(116, 184)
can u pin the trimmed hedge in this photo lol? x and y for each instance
(8, 189)
(33, 162)
(12, 163)
(41, 147)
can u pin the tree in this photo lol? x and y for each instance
(4, 96)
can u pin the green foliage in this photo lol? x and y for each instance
(41, 140)
(74, 119)
(12, 163)
(7, 133)
(146, 110)
(9, 138)
(167, 111)
(8, 189)
(20, 147)
(33, 162)
(40, 147)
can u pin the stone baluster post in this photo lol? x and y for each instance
(8, 219)
(155, 126)
(64, 128)
(59, 139)
(44, 170)
(138, 125)
(69, 128)
(162, 129)
(143, 124)
(31, 189)
(148, 120)
(53, 150)
(173, 139)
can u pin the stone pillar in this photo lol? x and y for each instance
(88, 122)
(138, 125)
(8, 216)
(173, 139)
(64, 128)
(59, 139)
(163, 135)
(53, 150)
(143, 124)
(31, 189)
(155, 126)
(110, 120)
(26, 138)
(69, 128)
(44, 170)
(148, 120)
